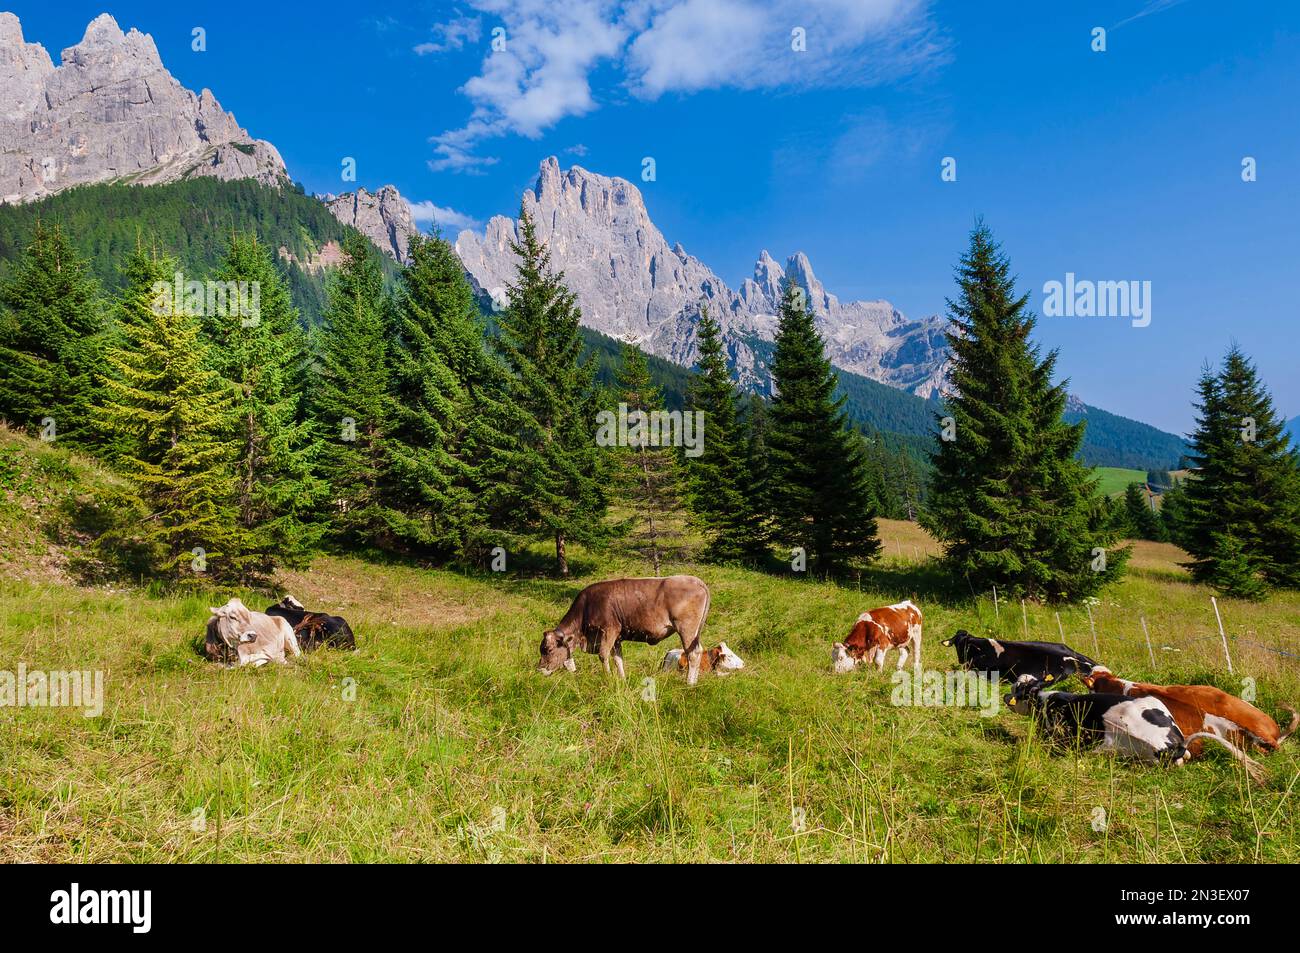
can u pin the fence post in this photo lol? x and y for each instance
(1024, 617)
(1223, 635)
(1095, 647)
(1058, 625)
(996, 613)
(1148, 638)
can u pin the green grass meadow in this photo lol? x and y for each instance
(1115, 480)
(437, 741)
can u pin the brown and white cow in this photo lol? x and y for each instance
(646, 610)
(1203, 709)
(877, 631)
(236, 635)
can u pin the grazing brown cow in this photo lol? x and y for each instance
(875, 633)
(1204, 709)
(639, 610)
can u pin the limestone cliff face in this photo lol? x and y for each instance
(111, 111)
(630, 284)
(384, 217)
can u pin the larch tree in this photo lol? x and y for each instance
(171, 414)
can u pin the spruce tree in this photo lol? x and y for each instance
(1139, 517)
(52, 340)
(171, 415)
(438, 366)
(1173, 514)
(546, 476)
(259, 347)
(648, 476)
(881, 479)
(821, 488)
(716, 479)
(757, 481)
(351, 399)
(1009, 500)
(1241, 520)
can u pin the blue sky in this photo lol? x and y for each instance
(1115, 165)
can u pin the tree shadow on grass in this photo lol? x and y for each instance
(921, 582)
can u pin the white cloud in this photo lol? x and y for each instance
(452, 35)
(426, 213)
(552, 48)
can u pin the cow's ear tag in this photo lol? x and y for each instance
(1048, 677)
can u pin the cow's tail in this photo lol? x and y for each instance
(1295, 723)
(1253, 767)
(704, 616)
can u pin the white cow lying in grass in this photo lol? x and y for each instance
(255, 638)
(720, 660)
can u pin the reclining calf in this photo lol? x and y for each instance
(1139, 728)
(719, 660)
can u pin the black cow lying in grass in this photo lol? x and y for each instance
(314, 629)
(1142, 729)
(1045, 661)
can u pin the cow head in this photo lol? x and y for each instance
(1024, 694)
(234, 623)
(557, 652)
(725, 660)
(960, 639)
(289, 602)
(1100, 679)
(841, 660)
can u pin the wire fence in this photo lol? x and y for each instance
(1226, 642)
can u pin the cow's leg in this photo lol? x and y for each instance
(880, 658)
(618, 658)
(688, 629)
(902, 654)
(915, 632)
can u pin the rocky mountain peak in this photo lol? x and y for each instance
(111, 111)
(104, 46)
(603, 199)
(384, 217)
(632, 285)
(799, 270)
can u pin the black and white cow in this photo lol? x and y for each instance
(1138, 728)
(314, 629)
(1047, 661)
